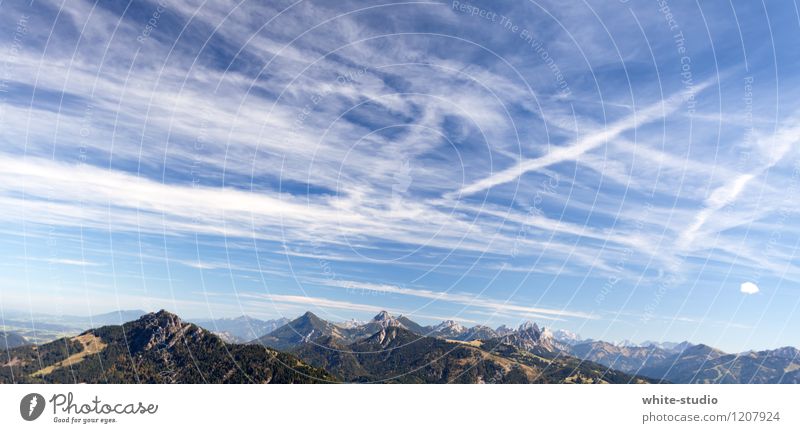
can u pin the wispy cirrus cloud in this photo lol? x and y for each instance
(474, 301)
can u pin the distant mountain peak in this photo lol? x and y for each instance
(448, 324)
(382, 317)
(129, 312)
(384, 320)
(787, 352)
(566, 336)
(162, 328)
(666, 345)
(311, 318)
(241, 329)
(701, 348)
(351, 323)
(531, 338)
(161, 315)
(528, 325)
(115, 317)
(451, 326)
(503, 330)
(305, 328)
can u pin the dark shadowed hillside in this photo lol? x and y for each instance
(397, 355)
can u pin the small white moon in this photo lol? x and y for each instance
(749, 288)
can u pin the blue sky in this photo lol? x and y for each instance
(618, 169)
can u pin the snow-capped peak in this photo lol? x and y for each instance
(566, 336)
(385, 319)
(382, 317)
(528, 325)
(503, 330)
(450, 325)
(350, 324)
(532, 338)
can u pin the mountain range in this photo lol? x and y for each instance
(694, 363)
(398, 350)
(162, 348)
(156, 348)
(340, 349)
(240, 329)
